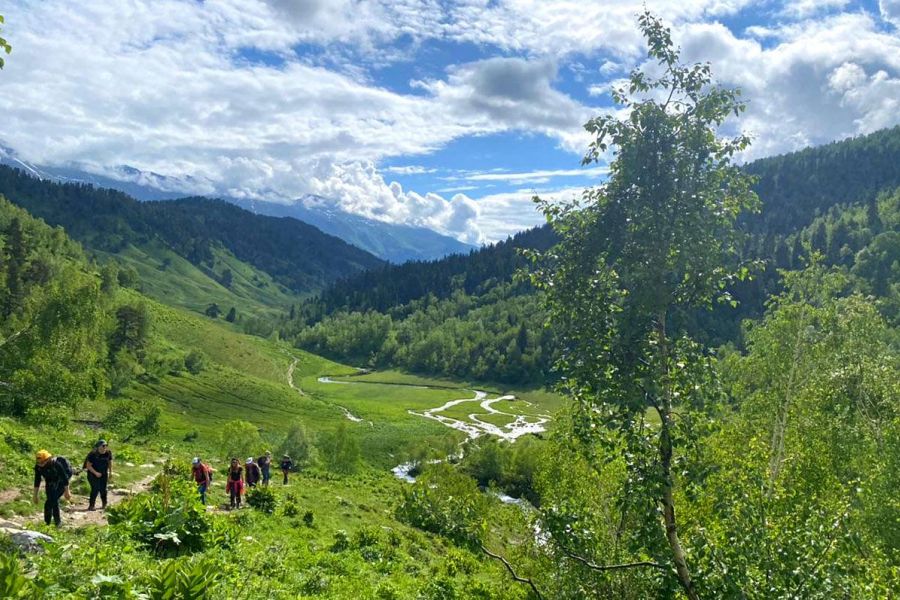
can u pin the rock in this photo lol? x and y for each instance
(129, 464)
(148, 466)
(26, 540)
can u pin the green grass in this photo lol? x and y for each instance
(169, 278)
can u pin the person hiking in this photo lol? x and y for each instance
(56, 472)
(253, 473)
(202, 477)
(265, 467)
(99, 467)
(286, 465)
(235, 484)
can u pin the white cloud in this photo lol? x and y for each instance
(410, 170)
(541, 176)
(820, 81)
(890, 11)
(170, 86)
(801, 9)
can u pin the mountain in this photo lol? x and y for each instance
(391, 242)
(232, 248)
(466, 316)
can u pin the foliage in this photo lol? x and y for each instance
(447, 502)
(169, 521)
(51, 339)
(651, 242)
(13, 582)
(239, 439)
(299, 445)
(342, 453)
(194, 362)
(262, 499)
(4, 46)
(183, 579)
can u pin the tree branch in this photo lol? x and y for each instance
(512, 572)
(619, 567)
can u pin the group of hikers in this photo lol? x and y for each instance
(56, 472)
(254, 472)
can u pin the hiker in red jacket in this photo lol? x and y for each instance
(202, 477)
(235, 484)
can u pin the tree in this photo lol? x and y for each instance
(231, 316)
(227, 278)
(132, 329)
(343, 452)
(16, 257)
(239, 439)
(298, 444)
(213, 311)
(638, 252)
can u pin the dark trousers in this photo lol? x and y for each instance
(201, 487)
(51, 505)
(266, 474)
(98, 488)
(285, 471)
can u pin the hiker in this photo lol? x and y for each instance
(265, 466)
(98, 465)
(202, 477)
(235, 484)
(56, 472)
(286, 466)
(253, 473)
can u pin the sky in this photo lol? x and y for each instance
(439, 113)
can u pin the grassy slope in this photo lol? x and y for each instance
(171, 279)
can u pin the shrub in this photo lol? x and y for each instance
(343, 452)
(183, 579)
(262, 499)
(446, 502)
(299, 445)
(13, 583)
(147, 423)
(366, 536)
(289, 507)
(308, 518)
(169, 521)
(341, 541)
(194, 362)
(239, 438)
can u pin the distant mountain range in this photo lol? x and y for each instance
(388, 241)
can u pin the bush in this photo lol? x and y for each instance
(120, 416)
(308, 518)
(262, 499)
(169, 522)
(299, 445)
(343, 452)
(240, 439)
(147, 424)
(183, 579)
(341, 541)
(194, 362)
(446, 502)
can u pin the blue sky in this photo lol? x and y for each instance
(439, 113)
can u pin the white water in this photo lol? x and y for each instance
(474, 427)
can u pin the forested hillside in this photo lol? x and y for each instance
(429, 317)
(298, 257)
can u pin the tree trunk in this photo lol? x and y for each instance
(665, 460)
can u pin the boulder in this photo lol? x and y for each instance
(27, 540)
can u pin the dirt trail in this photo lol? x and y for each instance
(75, 513)
(290, 377)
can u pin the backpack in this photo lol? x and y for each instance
(63, 462)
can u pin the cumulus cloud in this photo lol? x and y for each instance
(177, 87)
(890, 11)
(821, 80)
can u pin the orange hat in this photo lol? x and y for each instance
(42, 455)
